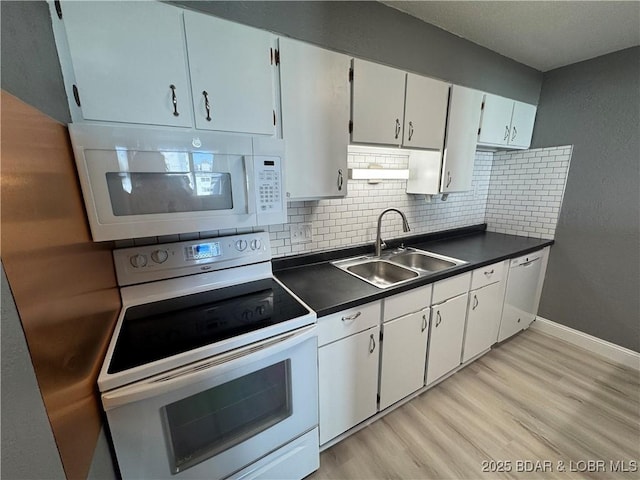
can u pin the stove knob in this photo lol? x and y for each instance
(256, 244)
(138, 261)
(159, 256)
(241, 245)
(246, 315)
(260, 310)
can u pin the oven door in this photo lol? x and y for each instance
(215, 417)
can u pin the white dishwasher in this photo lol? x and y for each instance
(522, 296)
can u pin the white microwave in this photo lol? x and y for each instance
(148, 181)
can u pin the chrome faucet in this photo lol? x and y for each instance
(379, 242)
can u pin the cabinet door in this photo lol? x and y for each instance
(483, 320)
(404, 349)
(445, 342)
(314, 86)
(129, 62)
(425, 114)
(378, 103)
(348, 382)
(522, 121)
(462, 134)
(232, 64)
(496, 120)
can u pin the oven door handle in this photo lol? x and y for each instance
(206, 369)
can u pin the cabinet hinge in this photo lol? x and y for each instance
(56, 4)
(276, 57)
(482, 107)
(274, 118)
(381, 336)
(378, 397)
(479, 131)
(351, 74)
(76, 95)
(271, 55)
(350, 126)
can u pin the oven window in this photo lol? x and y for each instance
(149, 193)
(210, 422)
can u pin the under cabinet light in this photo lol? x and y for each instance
(376, 173)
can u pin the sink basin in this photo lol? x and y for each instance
(396, 266)
(381, 273)
(421, 261)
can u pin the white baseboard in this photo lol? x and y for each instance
(609, 350)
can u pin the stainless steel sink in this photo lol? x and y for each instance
(382, 274)
(422, 261)
(396, 266)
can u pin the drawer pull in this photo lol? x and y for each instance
(489, 273)
(348, 318)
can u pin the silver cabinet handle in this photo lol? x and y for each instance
(340, 179)
(372, 343)
(206, 105)
(489, 273)
(475, 302)
(397, 127)
(174, 100)
(424, 323)
(439, 319)
(506, 133)
(514, 133)
(348, 318)
(448, 179)
(410, 130)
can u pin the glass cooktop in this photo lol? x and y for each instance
(162, 329)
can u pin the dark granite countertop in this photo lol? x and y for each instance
(327, 289)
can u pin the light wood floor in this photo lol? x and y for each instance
(534, 398)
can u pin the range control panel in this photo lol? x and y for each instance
(156, 262)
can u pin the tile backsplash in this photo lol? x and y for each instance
(526, 190)
(352, 220)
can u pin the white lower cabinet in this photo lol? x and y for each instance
(404, 349)
(483, 320)
(445, 342)
(348, 361)
(348, 382)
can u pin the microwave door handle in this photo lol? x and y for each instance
(203, 370)
(250, 175)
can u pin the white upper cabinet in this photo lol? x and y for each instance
(465, 107)
(425, 112)
(378, 103)
(232, 75)
(393, 107)
(522, 120)
(506, 122)
(129, 62)
(314, 85)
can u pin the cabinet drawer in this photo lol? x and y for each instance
(406, 302)
(347, 322)
(451, 287)
(487, 275)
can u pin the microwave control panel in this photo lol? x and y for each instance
(268, 184)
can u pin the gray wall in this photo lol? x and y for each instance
(28, 448)
(593, 278)
(30, 65)
(373, 31)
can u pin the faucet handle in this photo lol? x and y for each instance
(383, 244)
